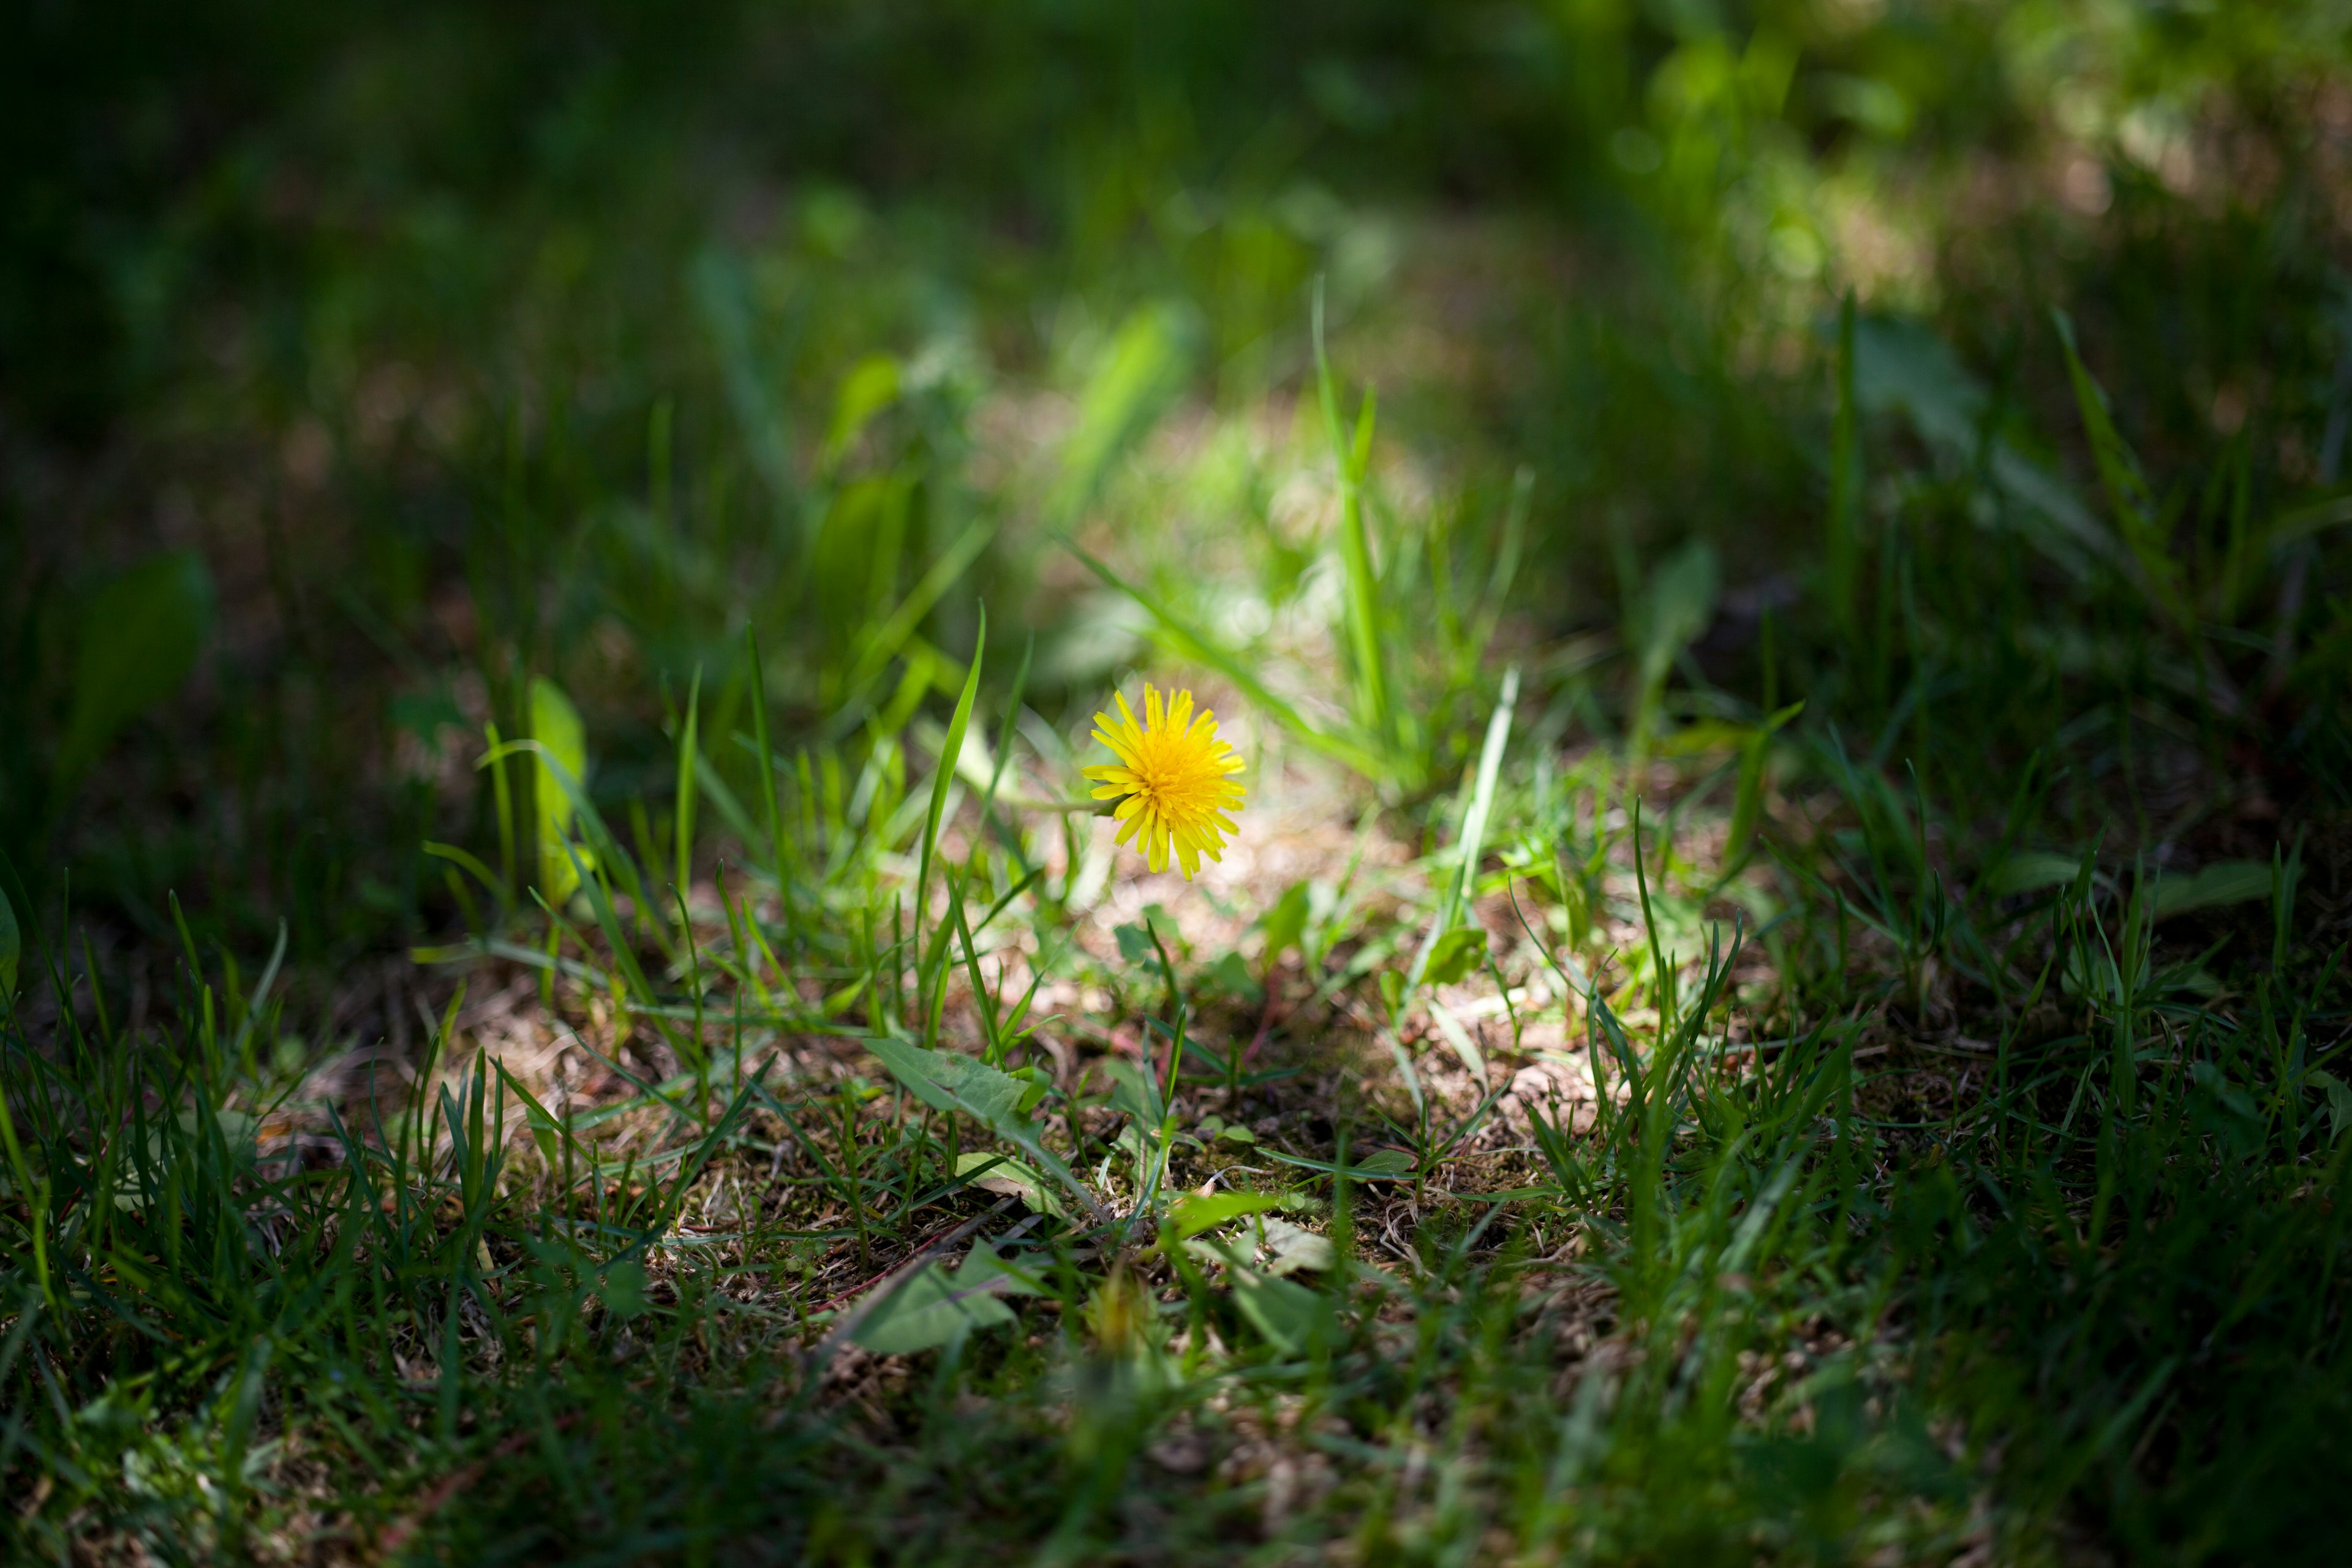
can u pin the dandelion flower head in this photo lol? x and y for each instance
(1176, 776)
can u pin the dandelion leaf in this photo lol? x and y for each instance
(928, 1309)
(139, 636)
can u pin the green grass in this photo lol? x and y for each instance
(1782, 994)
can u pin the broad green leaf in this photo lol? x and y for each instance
(1196, 1215)
(1231, 977)
(943, 775)
(1708, 737)
(1141, 371)
(545, 1130)
(1284, 1312)
(2223, 882)
(2339, 1101)
(871, 386)
(1008, 1176)
(2127, 490)
(625, 1289)
(983, 1267)
(1131, 1141)
(1294, 1247)
(1285, 924)
(945, 1081)
(1747, 797)
(2031, 871)
(1900, 366)
(555, 724)
(1038, 1078)
(1134, 943)
(928, 1309)
(240, 1132)
(1134, 1092)
(1380, 1165)
(1459, 1038)
(139, 636)
(1679, 604)
(1675, 607)
(240, 1139)
(722, 292)
(1457, 955)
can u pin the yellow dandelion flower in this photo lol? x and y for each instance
(1176, 776)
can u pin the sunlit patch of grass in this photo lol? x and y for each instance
(684, 1238)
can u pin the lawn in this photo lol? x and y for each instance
(580, 981)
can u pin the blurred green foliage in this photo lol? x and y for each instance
(680, 318)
